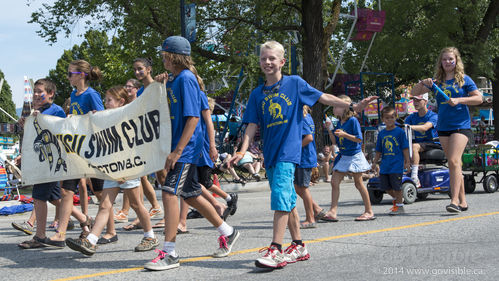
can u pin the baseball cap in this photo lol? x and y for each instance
(177, 45)
(421, 97)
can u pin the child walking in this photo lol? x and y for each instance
(304, 171)
(116, 97)
(43, 98)
(351, 159)
(277, 106)
(393, 149)
(184, 97)
(83, 99)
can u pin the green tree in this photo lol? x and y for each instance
(108, 54)
(6, 102)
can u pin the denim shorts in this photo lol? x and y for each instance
(129, 184)
(49, 191)
(302, 176)
(283, 194)
(183, 181)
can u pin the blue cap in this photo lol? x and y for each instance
(177, 45)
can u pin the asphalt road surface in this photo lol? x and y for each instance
(426, 243)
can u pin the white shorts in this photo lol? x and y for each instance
(129, 184)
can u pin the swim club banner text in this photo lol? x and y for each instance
(116, 144)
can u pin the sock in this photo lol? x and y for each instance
(149, 234)
(414, 171)
(400, 204)
(92, 239)
(169, 247)
(278, 246)
(228, 198)
(298, 242)
(225, 229)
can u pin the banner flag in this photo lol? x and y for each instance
(115, 144)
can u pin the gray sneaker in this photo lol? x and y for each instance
(226, 243)
(147, 244)
(81, 245)
(396, 210)
(162, 262)
(24, 227)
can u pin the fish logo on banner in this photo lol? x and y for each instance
(43, 146)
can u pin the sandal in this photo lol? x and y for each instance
(89, 222)
(159, 225)
(320, 215)
(365, 217)
(132, 226)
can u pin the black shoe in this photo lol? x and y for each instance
(194, 214)
(81, 245)
(464, 208)
(103, 240)
(257, 177)
(232, 204)
(52, 243)
(453, 208)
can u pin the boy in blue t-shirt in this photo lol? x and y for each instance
(277, 107)
(393, 149)
(43, 98)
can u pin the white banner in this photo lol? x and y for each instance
(115, 144)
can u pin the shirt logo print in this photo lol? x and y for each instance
(275, 110)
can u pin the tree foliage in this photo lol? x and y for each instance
(6, 102)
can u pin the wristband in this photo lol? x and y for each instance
(240, 153)
(351, 106)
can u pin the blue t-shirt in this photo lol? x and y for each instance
(87, 101)
(346, 146)
(233, 126)
(457, 117)
(54, 110)
(308, 153)
(184, 98)
(391, 145)
(429, 135)
(278, 109)
(204, 159)
(140, 91)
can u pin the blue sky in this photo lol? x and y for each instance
(22, 51)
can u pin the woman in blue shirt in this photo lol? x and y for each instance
(454, 128)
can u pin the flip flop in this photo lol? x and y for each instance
(180, 231)
(365, 217)
(320, 215)
(159, 225)
(131, 227)
(329, 218)
(308, 225)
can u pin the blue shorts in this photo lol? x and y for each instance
(302, 176)
(129, 184)
(49, 191)
(390, 182)
(283, 194)
(183, 181)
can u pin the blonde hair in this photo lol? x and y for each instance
(347, 113)
(118, 92)
(273, 45)
(211, 103)
(92, 72)
(184, 62)
(459, 70)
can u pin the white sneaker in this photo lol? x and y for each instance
(295, 253)
(416, 182)
(273, 258)
(162, 262)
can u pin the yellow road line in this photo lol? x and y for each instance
(308, 242)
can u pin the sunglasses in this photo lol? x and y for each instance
(130, 87)
(72, 72)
